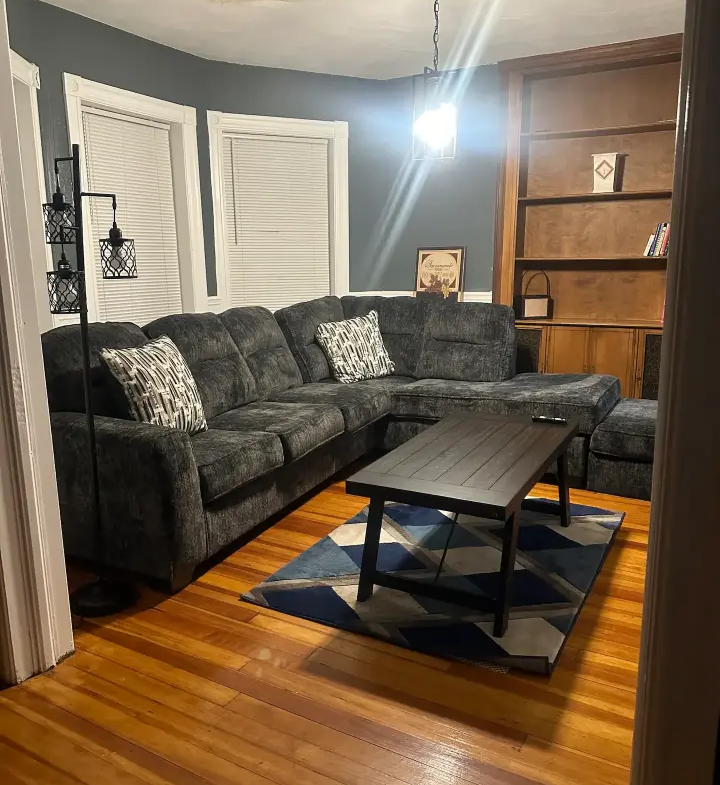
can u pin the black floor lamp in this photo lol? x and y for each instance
(68, 295)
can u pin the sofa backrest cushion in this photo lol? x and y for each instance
(471, 342)
(219, 370)
(62, 354)
(263, 345)
(298, 323)
(402, 323)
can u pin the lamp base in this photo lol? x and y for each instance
(103, 597)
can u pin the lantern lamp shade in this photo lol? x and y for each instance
(60, 224)
(117, 258)
(66, 288)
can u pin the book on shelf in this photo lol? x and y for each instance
(658, 241)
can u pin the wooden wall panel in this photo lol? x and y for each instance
(605, 294)
(602, 99)
(558, 167)
(592, 229)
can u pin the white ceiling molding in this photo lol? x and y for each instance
(379, 39)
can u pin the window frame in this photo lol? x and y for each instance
(79, 93)
(336, 133)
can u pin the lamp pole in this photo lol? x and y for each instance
(106, 595)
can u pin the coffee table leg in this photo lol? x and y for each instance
(507, 570)
(562, 473)
(370, 549)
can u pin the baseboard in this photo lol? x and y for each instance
(468, 297)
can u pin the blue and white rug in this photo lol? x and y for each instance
(554, 571)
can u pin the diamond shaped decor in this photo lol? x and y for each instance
(604, 170)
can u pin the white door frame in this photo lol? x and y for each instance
(35, 626)
(26, 83)
(81, 92)
(336, 133)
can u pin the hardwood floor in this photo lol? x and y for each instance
(200, 688)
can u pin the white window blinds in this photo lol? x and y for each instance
(131, 158)
(276, 219)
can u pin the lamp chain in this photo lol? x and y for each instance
(436, 34)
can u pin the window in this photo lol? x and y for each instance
(280, 202)
(145, 151)
(130, 157)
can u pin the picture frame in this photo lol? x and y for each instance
(440, 272)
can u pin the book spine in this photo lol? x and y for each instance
(646, 252)
(656, 236)
(661, 236)
(666, 242)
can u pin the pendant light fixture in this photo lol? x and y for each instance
(435, 127)
(117, 253)
(59, 217)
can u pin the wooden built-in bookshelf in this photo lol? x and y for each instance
(561, 110)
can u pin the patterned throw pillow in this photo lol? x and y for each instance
(158, 385)
(355, 349)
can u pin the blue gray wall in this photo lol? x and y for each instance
(396, 204)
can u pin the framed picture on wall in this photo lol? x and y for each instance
(440, 272)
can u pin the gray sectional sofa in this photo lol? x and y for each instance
(279, 425)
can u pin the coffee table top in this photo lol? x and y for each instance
(482, 464)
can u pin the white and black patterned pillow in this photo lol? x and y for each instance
(158, 385)
(355, 349)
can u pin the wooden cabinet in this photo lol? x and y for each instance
(630, 353)
(612, 350)
(567, 350)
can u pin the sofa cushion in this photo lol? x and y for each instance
(299, 323)
(472, 342)
(586, 398)
(263, 345)
(221, 373)
(301, 426)
(628, 431)
(158, 385)
(360, 403)
(62, 356)
(226, 460)
(355, 349)
(402, 321)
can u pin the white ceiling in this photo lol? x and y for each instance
(381, 38)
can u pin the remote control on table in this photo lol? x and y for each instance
(550, 420)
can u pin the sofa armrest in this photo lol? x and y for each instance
(152, 514)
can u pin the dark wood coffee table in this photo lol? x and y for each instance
(475, 464)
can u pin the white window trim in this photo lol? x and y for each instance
(28, 74)
(81, 92)
(336, 132)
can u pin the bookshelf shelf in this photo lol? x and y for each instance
(647, 324)
(618, 130)
(617, 196)
(588, 260)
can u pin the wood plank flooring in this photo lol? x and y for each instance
(201, 688)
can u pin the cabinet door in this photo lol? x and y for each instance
(647, 376)
(567, 349)
(531, 349)
(612, 351)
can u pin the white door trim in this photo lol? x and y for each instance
(26, 78)
(35, 626)
(81, 92)
(336, 132)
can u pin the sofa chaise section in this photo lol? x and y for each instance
(622, 450)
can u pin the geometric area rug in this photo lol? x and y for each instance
(555, 570)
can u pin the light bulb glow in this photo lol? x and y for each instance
(437, 127)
